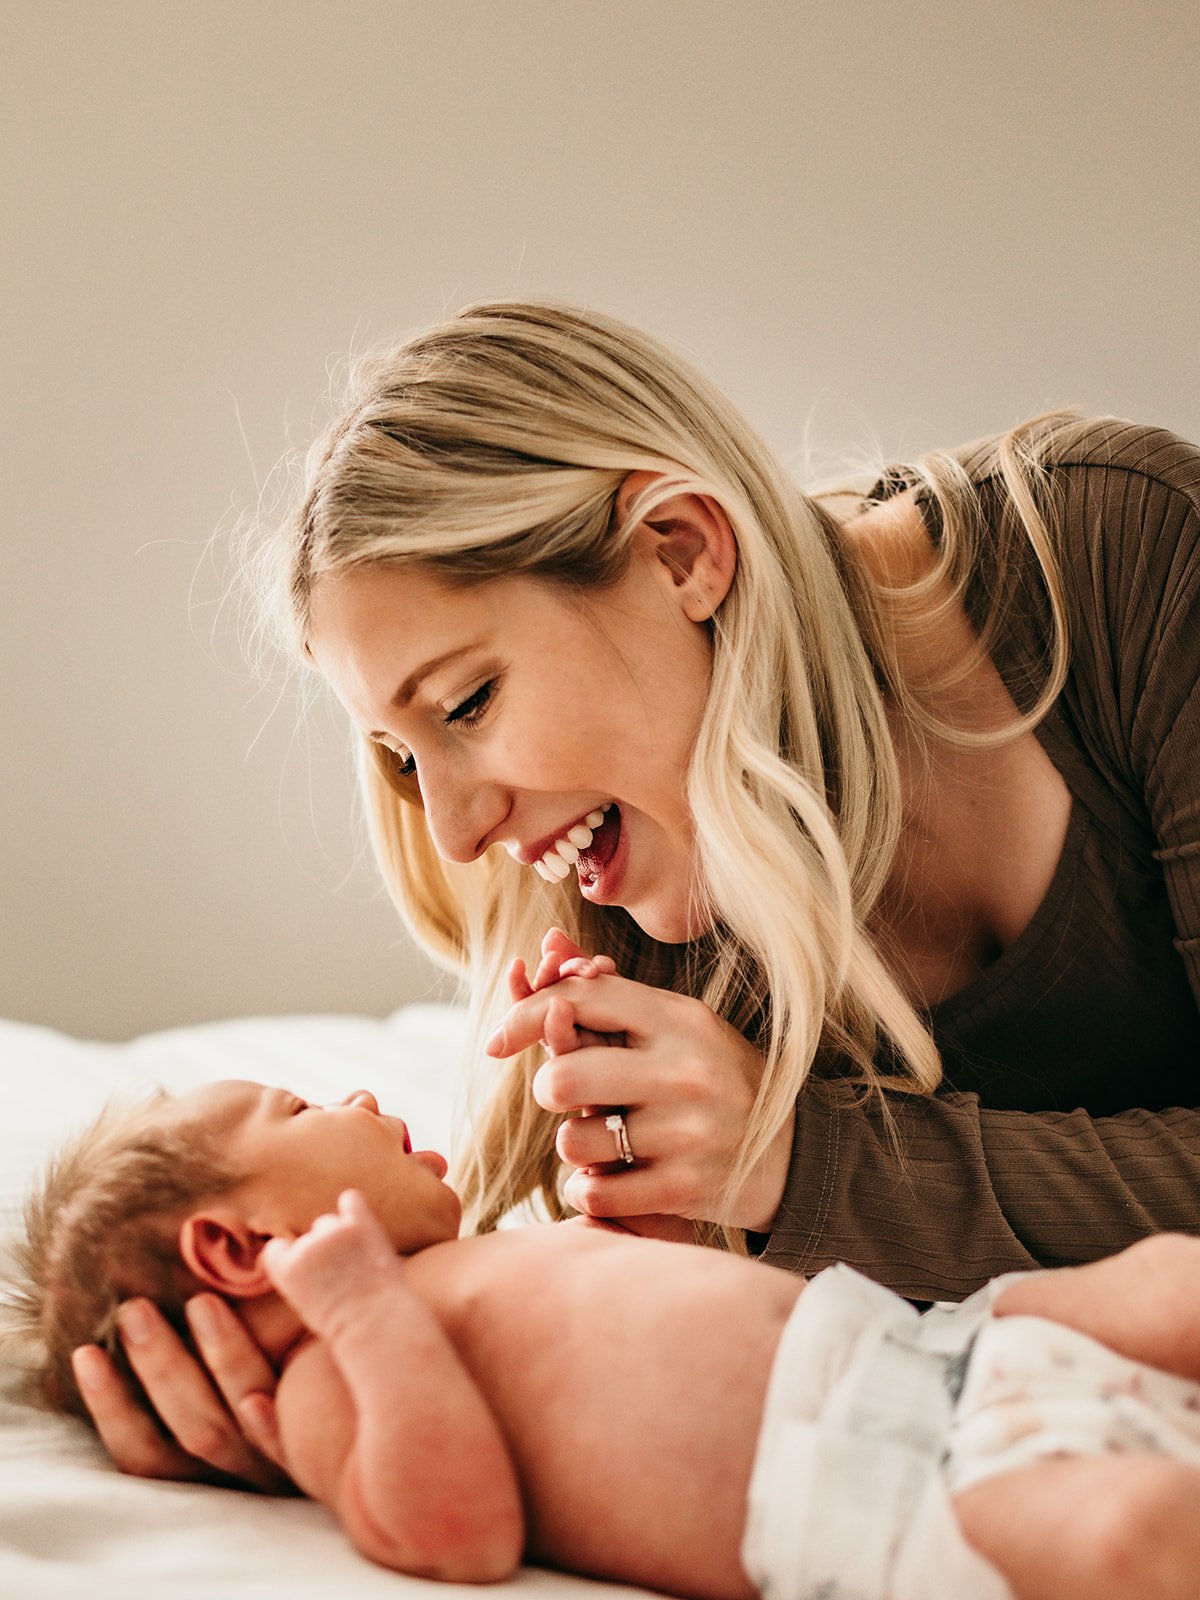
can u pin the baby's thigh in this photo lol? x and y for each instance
(1108, 1527)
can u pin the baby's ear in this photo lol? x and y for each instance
(225, 1253)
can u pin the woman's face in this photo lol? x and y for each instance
(523, 709)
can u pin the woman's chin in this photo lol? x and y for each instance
(670, 924)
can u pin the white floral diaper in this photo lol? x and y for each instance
(875, 1416)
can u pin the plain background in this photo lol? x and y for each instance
(880, 226)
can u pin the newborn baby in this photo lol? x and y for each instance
(628, 1408)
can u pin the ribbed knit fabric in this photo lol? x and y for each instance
(1066, 1128)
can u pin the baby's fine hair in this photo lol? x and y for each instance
(100, 1225)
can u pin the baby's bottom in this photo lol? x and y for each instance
(962, 1455)
(1109, 1527)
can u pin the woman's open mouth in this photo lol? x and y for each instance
(590, 847)
(591, 862)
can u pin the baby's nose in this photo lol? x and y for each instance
(362, 1097)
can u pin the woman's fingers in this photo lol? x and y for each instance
(604, 1004)
(628, 1191)
(560, 1037)
(259, 1422)
(519, 986)
(586, 1142)
(593, 1075)
(235, 1361)
(127, 1433)
(183, 1394)
(657, 1225)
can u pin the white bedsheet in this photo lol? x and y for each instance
(72, 1528)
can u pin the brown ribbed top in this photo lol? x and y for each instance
(1067, 1126)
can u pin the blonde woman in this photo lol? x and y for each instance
(886, 808)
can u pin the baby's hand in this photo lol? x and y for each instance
(326, 1273)
(562, 958)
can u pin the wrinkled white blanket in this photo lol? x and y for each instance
(72, 1528)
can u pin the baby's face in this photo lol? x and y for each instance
(300, 1157)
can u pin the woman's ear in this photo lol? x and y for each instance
(225, 1254)
(692, 539)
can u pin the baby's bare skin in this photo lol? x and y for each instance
(633, 1467)
(536, 1362)
(630, 1467)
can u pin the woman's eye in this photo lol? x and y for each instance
(473, 707)
(466, 714)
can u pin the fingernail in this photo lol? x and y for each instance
(89, 1368)
(495, 1044)
(135, 1322)
(204, 1318)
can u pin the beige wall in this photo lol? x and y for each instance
(911, 222)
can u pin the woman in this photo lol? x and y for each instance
(887, 810)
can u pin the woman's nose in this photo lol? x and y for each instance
(362, 1097)
(462, 817)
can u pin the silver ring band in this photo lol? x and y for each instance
(615, 1123)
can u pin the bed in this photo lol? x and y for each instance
(70, 1525)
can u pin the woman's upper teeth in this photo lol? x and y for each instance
(564, 852)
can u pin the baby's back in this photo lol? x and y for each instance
(629, 1377)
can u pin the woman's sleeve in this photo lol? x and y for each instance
(1165, 730)
(975, 1192)
(953, 1193)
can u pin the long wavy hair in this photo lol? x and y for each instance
(495, 443)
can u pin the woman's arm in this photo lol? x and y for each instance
(979, 1192)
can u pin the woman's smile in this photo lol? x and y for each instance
(575, 760)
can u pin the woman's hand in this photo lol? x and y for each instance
(686, 1081)
(203, 1441)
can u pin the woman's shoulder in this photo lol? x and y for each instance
(1061, 441)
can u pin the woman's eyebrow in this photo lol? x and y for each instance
(412, 683)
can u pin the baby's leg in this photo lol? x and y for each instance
(1100, 1527)
(1143, 1303)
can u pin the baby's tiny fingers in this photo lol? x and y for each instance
(275, 1251)
(260, 1423)
(579, 967)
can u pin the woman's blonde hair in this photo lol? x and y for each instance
(494, 444)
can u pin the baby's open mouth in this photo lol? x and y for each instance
(588, 847)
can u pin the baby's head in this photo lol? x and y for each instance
(178, 1194)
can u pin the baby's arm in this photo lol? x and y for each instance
(381, 1420)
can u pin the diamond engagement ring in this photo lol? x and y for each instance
(616, 1126)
